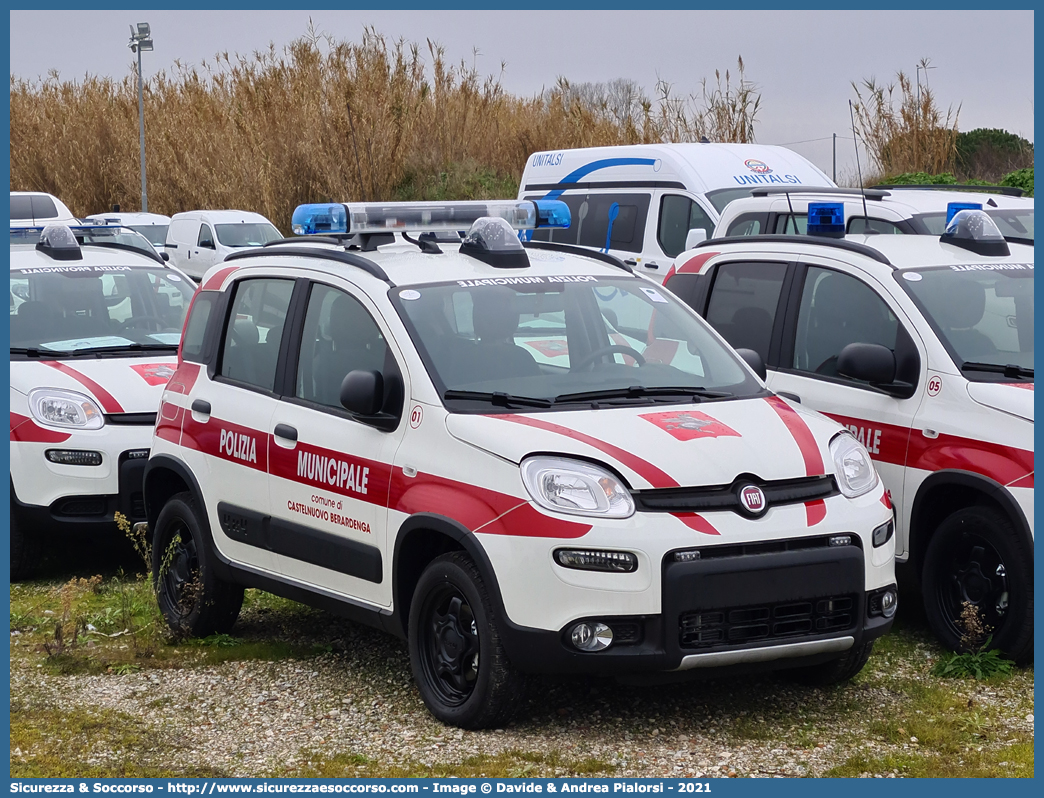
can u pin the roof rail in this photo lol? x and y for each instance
(307, 240)
(1007, 191)
(874, 193)
(347, 258)
(774, 238)
(573, 249)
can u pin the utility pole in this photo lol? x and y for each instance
(139, 41)
(835, 158)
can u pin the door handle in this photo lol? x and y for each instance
(201, 406)
(631, 262)
(793, 397)
(286, 432)
(652, 265)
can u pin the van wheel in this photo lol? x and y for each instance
(25, 549)
(977, 557)
(193, 600)
(458, 661)
(836, 670)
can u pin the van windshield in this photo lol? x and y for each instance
(156, 233)
(555, 341)
(246, 234)
(723, 196)
(79, 309)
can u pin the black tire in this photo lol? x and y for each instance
(458, 661)
(26, 549)
(194, 601)
(836, 670)
(978, 555)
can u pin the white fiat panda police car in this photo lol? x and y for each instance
(95, 325)
(923, 347)
(460, 442)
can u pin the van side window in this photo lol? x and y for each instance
(792, 224)
(255, 329)
(339, 336)
(836, 310)
(743, 303)
(590, 214)
(747, 224)
(206, 237)
(679, 215)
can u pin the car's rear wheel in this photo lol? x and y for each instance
(978, 571)
(194, 601)
(458, 661)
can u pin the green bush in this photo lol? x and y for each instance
(920, 178)
(990, 153)
(1021, 178)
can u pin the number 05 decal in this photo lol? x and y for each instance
(934, 386)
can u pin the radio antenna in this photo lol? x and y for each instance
(859, 172)
(355, 146)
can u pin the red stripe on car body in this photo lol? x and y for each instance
(695, 263)
(697, 522)
(25, 430)
(815, 511)
(650, 473)
(105, 399)
(802, 435)
(217, 278)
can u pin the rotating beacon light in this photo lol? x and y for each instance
(332, 218)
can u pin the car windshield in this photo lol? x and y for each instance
(1012, 223)
(982, 312)
(155, 233)
(723, 196)
(558, 340)
(246, 234)
(80, 309)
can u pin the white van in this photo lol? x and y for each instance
(196, 240)
(37, 208)
(639, 202)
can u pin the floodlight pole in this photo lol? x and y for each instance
(141, 134)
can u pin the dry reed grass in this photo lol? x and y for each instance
(327, 120)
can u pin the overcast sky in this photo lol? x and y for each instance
(803, 62)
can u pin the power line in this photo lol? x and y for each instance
(807, 141)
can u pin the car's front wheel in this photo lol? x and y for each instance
(977, 583)
(458, 660)
(25, 548)
(194, 601)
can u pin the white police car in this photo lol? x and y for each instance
(95, 325)
(909, 210)
(923, 347)
(462, 443)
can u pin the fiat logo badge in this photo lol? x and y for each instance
(753, 499)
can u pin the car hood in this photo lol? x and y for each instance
(1015, 398)
(667, 446)
(118, 385)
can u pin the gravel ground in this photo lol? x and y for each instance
(255, 718)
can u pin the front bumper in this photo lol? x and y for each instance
(741, 611)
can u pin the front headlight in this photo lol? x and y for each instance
(60, 408)
(855, 471)
(575, 487)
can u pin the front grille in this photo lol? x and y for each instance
(766, 547)
(738, 625)
(726, 497)
(132, 419)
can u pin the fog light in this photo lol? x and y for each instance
(840, 540)
(591, 636)
(889, 601)
(595, 560)
(883, 533)
(137, 454)
(75, 457)
(687, 556)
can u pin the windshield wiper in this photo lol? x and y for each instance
(1011, 370)
(641, 392)
(498, 398)
(123, 349)
(31, 351)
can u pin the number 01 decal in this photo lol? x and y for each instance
(416, 416)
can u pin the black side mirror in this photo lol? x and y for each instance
(165, 256)
(871, 363)
(753, 359)
(207, 244)
(362, 392)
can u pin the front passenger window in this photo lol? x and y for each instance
(837, 310)
(339, 336)
(206, 237)
(679, 215)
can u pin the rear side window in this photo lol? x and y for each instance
(255, 328)
(861, 224)
(679, 215)
(196, 327)
(21, 207)
(743, 303)
(33, 206)
(748, 224)
(590, 224)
